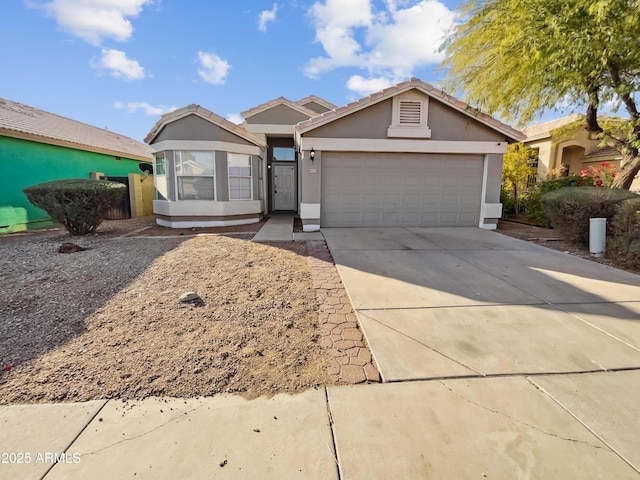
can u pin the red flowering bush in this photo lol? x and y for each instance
(601, 176)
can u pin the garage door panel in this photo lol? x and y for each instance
(400, 190)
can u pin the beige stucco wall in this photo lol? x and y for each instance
(567, 148)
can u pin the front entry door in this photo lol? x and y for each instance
(284, 187)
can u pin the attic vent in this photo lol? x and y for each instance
(410, 112)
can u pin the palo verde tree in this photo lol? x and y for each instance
(517, 58)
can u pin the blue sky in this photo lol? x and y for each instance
(121, 63)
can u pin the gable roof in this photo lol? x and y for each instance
(28, 123)
(412, 84)
(318, 100)
(545, 129)
(275, 102)
(208, 115)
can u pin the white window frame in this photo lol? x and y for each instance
(410, 130)
(229, 176)
(176, 155)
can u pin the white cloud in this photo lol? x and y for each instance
(335, 22)
(120, 66)
(213, 68)
(133, 107)
(267, 16)
(235, 118)
(388, 43)
(365, 86)
(94, 20)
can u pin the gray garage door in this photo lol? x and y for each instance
(380, 189)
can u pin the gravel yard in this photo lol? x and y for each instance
(107, 322)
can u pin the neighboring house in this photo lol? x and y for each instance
(38, 146)
(409, 155)
(564, 145)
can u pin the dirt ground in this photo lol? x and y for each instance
(107, 322)
(549, 238)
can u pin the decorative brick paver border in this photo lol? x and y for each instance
(350, 358)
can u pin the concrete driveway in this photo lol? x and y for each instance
(502, 347)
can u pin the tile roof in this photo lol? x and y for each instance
(602, 153)
(202, 112)
(275, 102)
(316, 99)
(414, 83)
(22, 121)
(544, 129)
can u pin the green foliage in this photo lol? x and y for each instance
(517, 167)
(519, 58)
(570, 209)
(79, 204)
(624, 243)
(533, 208)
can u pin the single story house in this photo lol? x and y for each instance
(409, 155)
(564, 145)
(38, 146)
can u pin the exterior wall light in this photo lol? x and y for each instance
(312, 154)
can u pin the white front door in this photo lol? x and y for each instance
(284, 187)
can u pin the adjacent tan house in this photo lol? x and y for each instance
(564, 145)
(409, 155)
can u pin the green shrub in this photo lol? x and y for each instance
(570, 209)
(77, 203)
(624, 243)
(533, 208)
(508, 203)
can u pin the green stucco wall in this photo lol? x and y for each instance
(24, 163)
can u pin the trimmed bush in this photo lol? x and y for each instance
(624, 244)
(570, 209)
(533, 208)
(77, 203)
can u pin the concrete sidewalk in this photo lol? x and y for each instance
(279, 228)
(497, 428)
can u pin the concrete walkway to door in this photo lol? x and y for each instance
(503, 349)
(279, 228)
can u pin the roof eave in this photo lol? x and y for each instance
(68, 144)
(205, 114)
(308, 125)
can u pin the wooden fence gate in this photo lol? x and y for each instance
(122, 211)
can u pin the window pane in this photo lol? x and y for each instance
(160, 164)
(195, 188)
(195, 163)
(281, 154)
(240, 184)
(161, 186)
(240, 194)
(238, 160)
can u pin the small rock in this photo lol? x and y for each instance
(68, 247)
(189, 297)
(223, 463)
